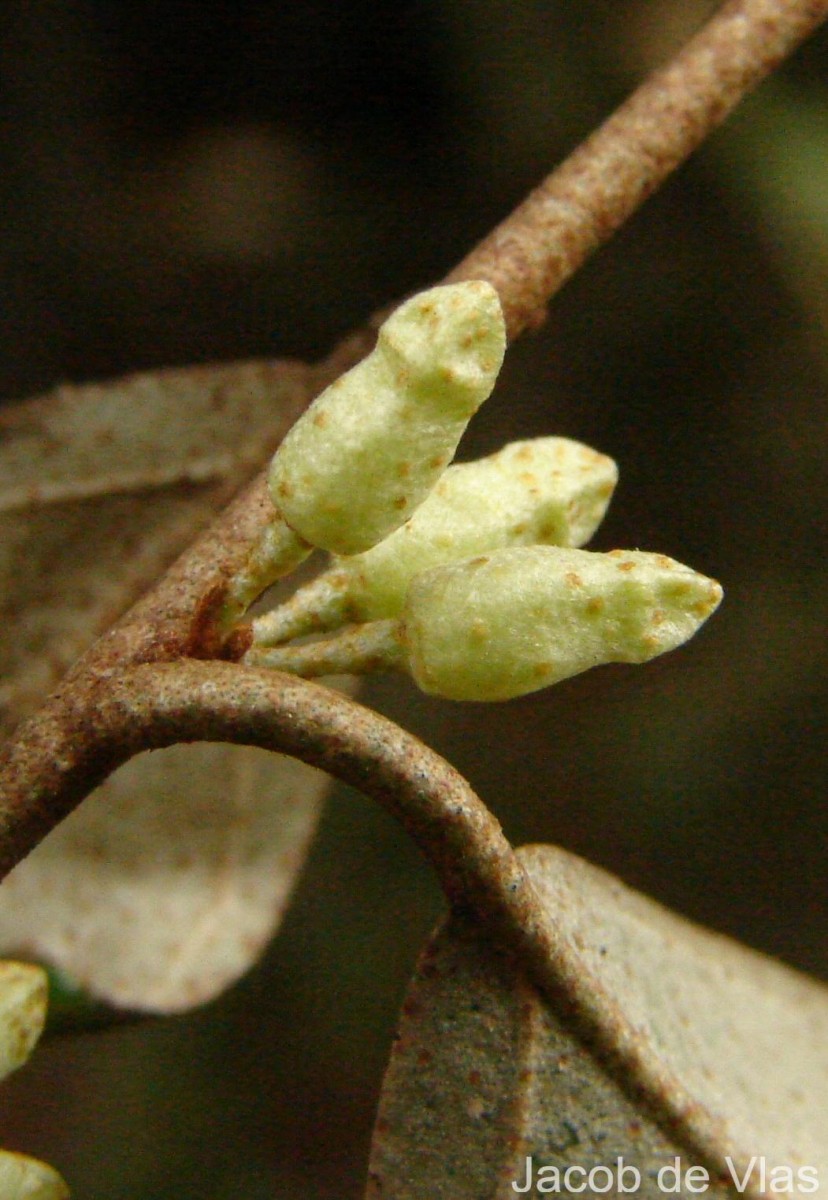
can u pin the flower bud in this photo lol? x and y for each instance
(519, 619)
(23, 996)
(371, 447)
(547, 490)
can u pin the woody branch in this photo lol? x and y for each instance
(57, 756)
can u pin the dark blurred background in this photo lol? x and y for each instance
(187, 182)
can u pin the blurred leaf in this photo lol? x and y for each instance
(101, 486)
(714, 1046)
(773, 155)
(163, 886)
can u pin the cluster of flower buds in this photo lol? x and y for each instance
(550, 491)
(469, 577)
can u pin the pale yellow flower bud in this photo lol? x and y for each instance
(546, 490)
(24, 1178)
(519, 619)
(371, 447)
(24, 991)
(23, 996)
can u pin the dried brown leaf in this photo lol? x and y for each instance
(102, 486)
(718, 1052)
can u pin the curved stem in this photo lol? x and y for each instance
(580, 205)
(155, 705)
(527, 259)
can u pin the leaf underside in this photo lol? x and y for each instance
(165, 884)
(717, 1051)
(102, 486)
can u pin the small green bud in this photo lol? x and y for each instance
(547, 490)
(371, 447)
(519, 619)
(24, 1178)
(23, 998)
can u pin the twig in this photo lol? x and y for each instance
(526, 259)
(153, 706)
(161, 704)
(156, 705)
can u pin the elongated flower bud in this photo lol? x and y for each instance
(371, 447)
(546, 490)
(517, 620)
